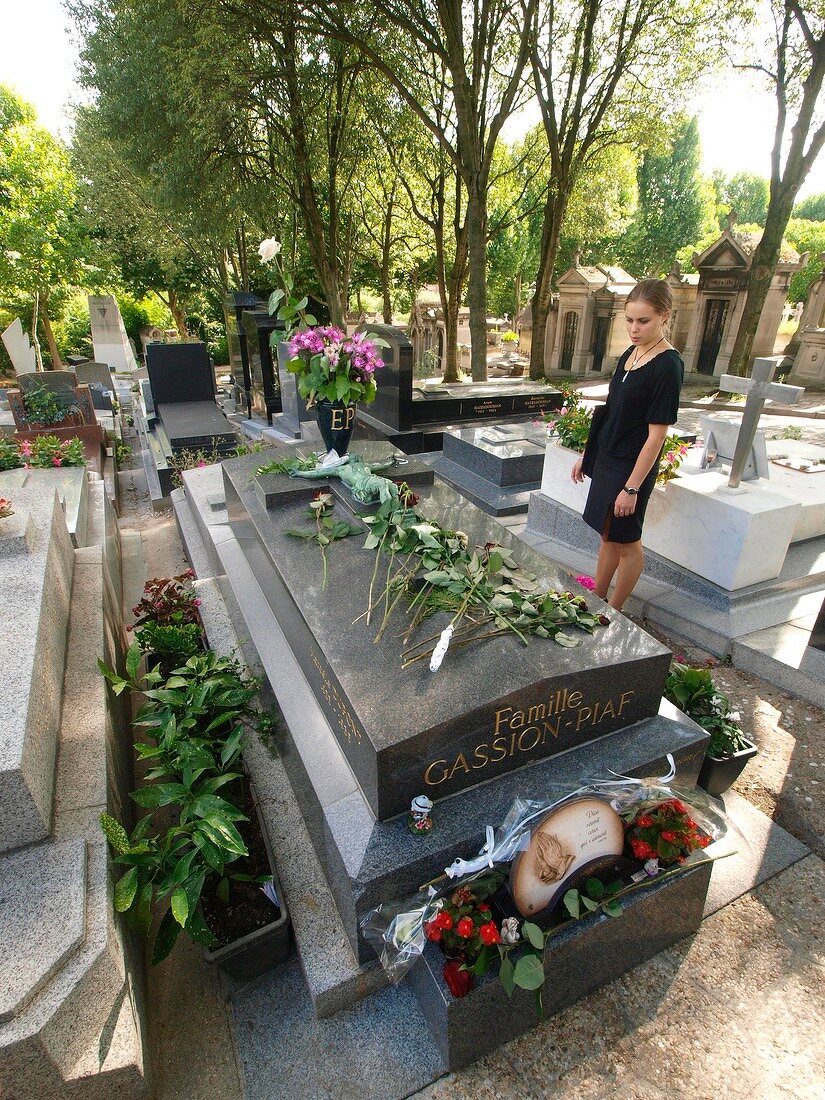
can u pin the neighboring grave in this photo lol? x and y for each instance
(187, 417)
(723, 537)
(18, 345)
(413, 415)
(234, 309)
(81, 425)
(111, 343)
(258, 326)
(495, 466)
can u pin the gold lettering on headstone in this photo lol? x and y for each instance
(519, 731)
(344, 719)
(341, 419)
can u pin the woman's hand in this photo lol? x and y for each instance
(625, 504)
(576, 473)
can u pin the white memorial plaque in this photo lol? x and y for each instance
(578, 834)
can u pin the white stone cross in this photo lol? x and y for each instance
(759, 389)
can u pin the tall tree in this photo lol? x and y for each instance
(796, 72)
(483, 45)
(747, 194)
(45, 246)
(606, 72)
(674, 205)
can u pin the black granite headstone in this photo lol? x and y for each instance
(817, 638)
(393, 401)
(266, 388)
(496, 466)
(236, 343)
(180, 372)
(492, 707)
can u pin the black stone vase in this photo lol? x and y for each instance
(336, 421)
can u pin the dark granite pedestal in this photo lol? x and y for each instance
(500, 710)
(579, 958)
(496, 466)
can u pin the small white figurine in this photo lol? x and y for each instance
(419, 820)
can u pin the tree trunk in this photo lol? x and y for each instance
(35, 341)
(542, 299)
(386, 245)
(477, 285)
(178, 314)
(47, 329)
(763, 265)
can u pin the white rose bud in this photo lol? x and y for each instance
(509, 931)
(268, 249)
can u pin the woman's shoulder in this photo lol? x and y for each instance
(672, 362)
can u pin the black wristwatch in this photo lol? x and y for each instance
(630, 492)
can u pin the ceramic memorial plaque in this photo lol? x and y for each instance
(582, 833)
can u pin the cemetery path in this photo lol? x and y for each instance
(734, 1011)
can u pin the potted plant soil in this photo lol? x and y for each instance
(728, 751)
(199, 857)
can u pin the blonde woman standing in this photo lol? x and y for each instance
(642, 401)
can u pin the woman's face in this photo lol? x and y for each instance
(644, 323)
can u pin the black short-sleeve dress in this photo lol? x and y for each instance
(648, 395)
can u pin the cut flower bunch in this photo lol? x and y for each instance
(333, 366)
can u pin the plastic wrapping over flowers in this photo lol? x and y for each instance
(665, 826)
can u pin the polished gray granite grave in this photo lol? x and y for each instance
(491, 708)
(365, 860)
(496, 466)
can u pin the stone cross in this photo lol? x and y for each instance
(759, 389)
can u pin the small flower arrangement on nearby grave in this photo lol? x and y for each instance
(168, 624)
(41, 453)
(6, 509)
(673, 454)
(43, 407)
(509, 337)
(335, 367)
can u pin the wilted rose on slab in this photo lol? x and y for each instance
(269, 249)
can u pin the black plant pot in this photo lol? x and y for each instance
(718, 774)
(336, 421)
(259, 951)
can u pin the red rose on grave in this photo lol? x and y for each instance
(641, 849)
(459, 982)
(432, 931)
(443, 920)
(489, 933)
(465, 928)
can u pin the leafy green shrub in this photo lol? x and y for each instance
(171, 643)
(45, 407)
(194, 723)
(692, 691)
(42, 452)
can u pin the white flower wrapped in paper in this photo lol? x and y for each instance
(269, 249)
(441, 648)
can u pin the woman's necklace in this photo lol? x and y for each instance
(637, 358)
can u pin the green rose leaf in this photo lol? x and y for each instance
(529, 972)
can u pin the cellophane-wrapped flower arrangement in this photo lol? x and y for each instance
(333, 366)
(667, 830)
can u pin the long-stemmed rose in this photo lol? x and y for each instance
(283, 303)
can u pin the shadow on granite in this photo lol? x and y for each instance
(380, 1049)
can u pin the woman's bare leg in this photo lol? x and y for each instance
(606, 566)
(631, 562)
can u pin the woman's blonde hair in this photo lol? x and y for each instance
(655, 292)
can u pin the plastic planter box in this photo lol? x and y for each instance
(718, 774)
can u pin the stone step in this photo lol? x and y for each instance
(33, 628)
(72, 1005)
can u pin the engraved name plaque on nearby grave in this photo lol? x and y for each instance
(585, 834)
(494, 706)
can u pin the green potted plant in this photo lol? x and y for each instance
(200, 855)
(44, 408)
(692, 690)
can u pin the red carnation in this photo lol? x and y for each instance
(465, 928)
(641, 849)
(483, 907)
(489, 933)
(432, 931)
(459, 982)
